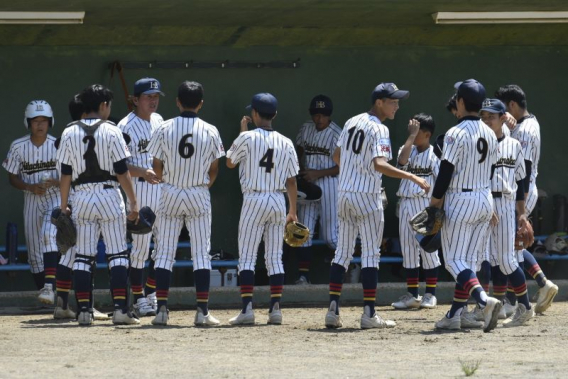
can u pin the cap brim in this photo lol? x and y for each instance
(457, 85)
(149, 92)
(490, 110)
(399, 95)
(248, 108)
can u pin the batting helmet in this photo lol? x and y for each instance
(38, 108)
(307, 191)
(146, 218)
(429, 243)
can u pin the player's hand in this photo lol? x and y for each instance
(133, 216)
(151, 177)
(413, 127)
(422, 183)
(522, 222)
(291, 217)
(37, 189)
(310, 175)
(510, 121)
(244, 123)
(67, 210)
(494, 219)
(51, 183)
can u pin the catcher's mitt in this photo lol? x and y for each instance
(428, 222)
(66, 236)
(146, 218)
(524, 237)
(296, 234)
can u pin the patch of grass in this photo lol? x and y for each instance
(469, 367)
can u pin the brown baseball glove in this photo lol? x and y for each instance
(524, 237)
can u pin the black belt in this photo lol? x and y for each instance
(497, 194)
(108, 186)
(467, 190)
(141, 179)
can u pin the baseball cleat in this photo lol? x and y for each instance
(85, 318)
(162, 317)
(153, 301)
(100, 316)
(302, 281)
(46, 294)
(275, 317)
(63, 314)
(246, 318)
(332, 319)
(453, 323)
(143, 308)
(407, 302)
(545, 296)
(375, 321)
(491, 313)
(478, 313)
(521, 316)
(502, 313)
(469, 320)
(508, 307)
(205, 320)
(429, 301)
(124, 318)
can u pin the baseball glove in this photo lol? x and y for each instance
(296, 234)
(66, 236)
(146, 218)
(428, 222)
(524, 238)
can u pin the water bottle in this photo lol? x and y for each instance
(12, 242)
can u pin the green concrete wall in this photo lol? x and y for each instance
(347, 75)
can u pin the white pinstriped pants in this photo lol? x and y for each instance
(191, 206)
(502, 237)
(412, 253)
(324, 209)
(359, 214)
(263, 216)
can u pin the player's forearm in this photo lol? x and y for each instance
(125, 181)
(136, 171)
(337, 156)
(65, 187)
(292, 191)
(405, 152)
(158, 167)
(213, 171)
(520, 208)
(386, 169)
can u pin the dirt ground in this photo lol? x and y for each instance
(38, 346)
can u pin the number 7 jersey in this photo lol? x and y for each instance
(363, 138)
(266, 158)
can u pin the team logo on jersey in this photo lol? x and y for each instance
(233, 147)
(320, 104)
(154, 85)
(32, 168)
(385, 145)
(420, 171)
(142, 145)
(316, 150)
(450, 140)
(506, 162)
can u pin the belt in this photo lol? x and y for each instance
(141, 179)
(108, 186)
(497, 194)
(467, 190)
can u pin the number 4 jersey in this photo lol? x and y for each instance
(472, 147)
(187, 146)
(266, 158)
(363, 138)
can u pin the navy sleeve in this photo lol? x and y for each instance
(520, 190)
(443, 180)
(120, 167)
(66, 169)
(528, 168)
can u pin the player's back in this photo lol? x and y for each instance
(187, 146)
(363, 138)
(471, 146)
(267, 159)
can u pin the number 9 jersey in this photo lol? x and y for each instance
(363, 138)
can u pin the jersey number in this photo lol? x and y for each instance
(482, 148)
(185, 148)
(358, 139)
(266, 160)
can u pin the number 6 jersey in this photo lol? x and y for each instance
(267, 159)
(363, 138)
(187, 146)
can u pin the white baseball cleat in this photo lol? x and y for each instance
(302, 281)
(453, 323)
(63, 314)
(375, 321)
(162, 317)
(143, 308)
(124, 318)
(503, 312)
(275, 317)
(545, 296)
(429, 301)
(100, 316)
(491, 313)
(153, 301)
(246, 318)
(407, 302)
(521, 316)
(85, 318)
(205, 320)
(508, 307)
(46, 294)
(469, 319)
(332, 320)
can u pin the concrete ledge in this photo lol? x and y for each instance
(229, 297)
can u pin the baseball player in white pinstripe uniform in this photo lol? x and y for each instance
(527, 132)
(93, 157)
(509, 207)
(31, 168)
(463, 189)
(268, 167)
(186, 151)
(362, 153)
(140, 125)
(315, 145)
(417, 157)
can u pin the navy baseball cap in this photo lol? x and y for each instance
(471, 90)
(147, 86)
(389, 91)
(264, 103)
(321, 104)
(493, 106)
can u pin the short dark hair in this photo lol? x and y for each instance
(266, 116)
(76, 109)
(93, 96)
(469, 106)
(512, 92)
(190, 94)
(426, 122)
(451, 104)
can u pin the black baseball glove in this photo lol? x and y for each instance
(66, 236)
(428, 222)
(146, 218)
